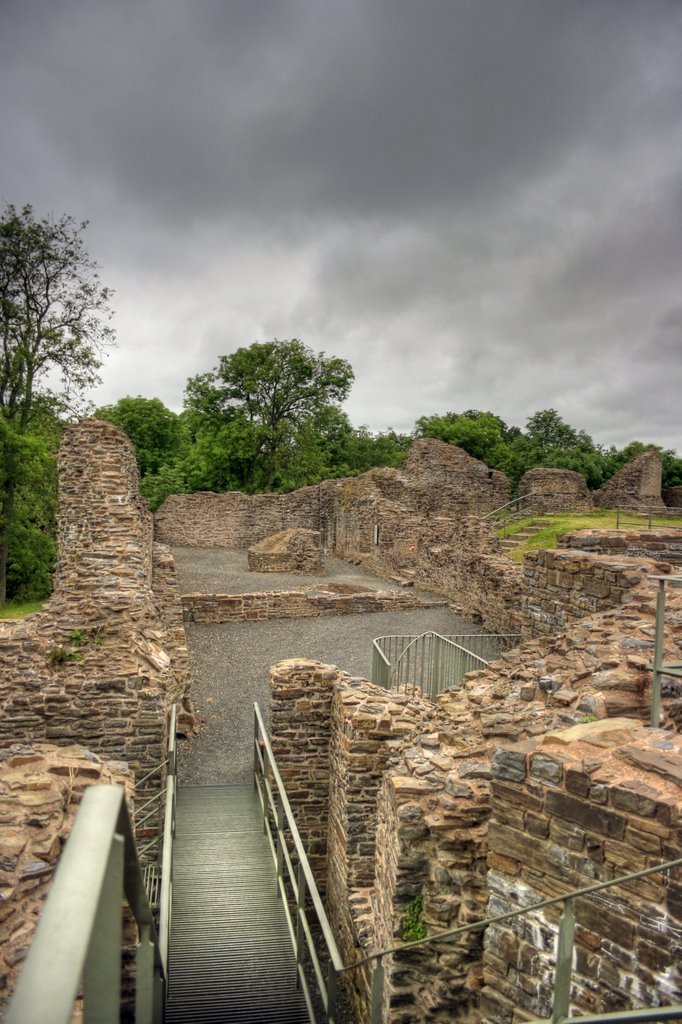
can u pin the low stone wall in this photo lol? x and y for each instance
(41, 787)
(661, 545)
(556, 490)
(297, 551)
(562, 585)
(583, 806)
(296, 604)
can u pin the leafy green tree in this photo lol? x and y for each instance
(155, 431)
(54, 322)
(266, 392)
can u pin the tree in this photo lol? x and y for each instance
(154, 430)
(54, 322)
(268, 390)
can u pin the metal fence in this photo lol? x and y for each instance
(429, 663)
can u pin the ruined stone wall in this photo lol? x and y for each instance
(97, 664)
(294, 550)
(661, 545)
(556, 490)
(672, 496)
(234, 520)
(562, 585)
(582, 806)
(336, 599)
(41, 787)
(636, 486)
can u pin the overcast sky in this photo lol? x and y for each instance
(478, 203)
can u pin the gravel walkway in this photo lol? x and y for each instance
(230, 662)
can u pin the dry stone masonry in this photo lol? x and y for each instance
(288, 551)
(556, 490)
(636, 486)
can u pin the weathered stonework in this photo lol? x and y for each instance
(661, 545)
(100, 662)
(427, 832)
(672, 496)
(585, 806)
(636, 486)
(556, 490)
(297, 551)
(41, 787)
(562, 585)
(332, 599)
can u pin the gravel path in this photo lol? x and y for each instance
(230, 662)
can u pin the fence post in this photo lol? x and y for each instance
(279, 826)
(564, 964)
(378, 991)
(102, 972)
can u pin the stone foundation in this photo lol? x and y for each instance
(672, 496)
(297, 551)
(661, 545)
(336, 599)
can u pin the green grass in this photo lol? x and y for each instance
(20, 610)
(567, 522)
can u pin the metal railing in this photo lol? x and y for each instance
(564, 957)
(78, 942)
(428, 663)
(278, 823)
(526, 506)
(648, 519)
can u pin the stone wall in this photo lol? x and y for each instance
(41, 787)
(636, 486)
(234, 520)
(581, 806)
(297, 551)
(556, 490)
(661, 545)
(672, 496)
(99, 662)
(562, 585)
(428, 836)
(334, 599)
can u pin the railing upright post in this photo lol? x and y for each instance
(256, 764)
(658, 657)
(332, 993)
(378, 991)
(564, 964)
(145, 982)
(300, 910)
(102, 973)
(279, 827)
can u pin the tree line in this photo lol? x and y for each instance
(268, 417)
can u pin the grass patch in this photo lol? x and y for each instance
(20, 610)
(567, 522)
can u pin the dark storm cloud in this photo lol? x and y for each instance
(477, 202)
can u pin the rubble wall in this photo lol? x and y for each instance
(562, 585)
(556, 490)
(293, 550)
(41, 787)
(636, 486)
(578, 807)
(660, 544)
(99, 663)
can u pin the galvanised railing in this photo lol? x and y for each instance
(78, 942)
(564, 957)
(278, 822)
(649, 519)
(526, 506)
(428, 663)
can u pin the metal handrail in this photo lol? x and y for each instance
(564, 952)
(166, 890)
(650, 515)
(79, 935)
(301, 880)
(429, 662)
